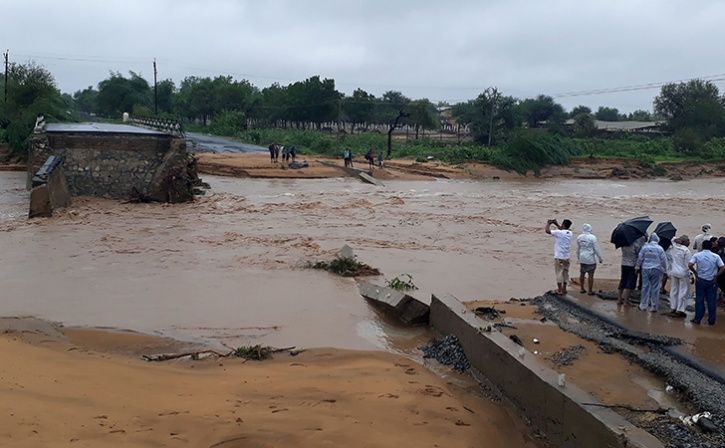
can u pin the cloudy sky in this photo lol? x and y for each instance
(442, 50)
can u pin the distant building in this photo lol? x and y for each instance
(647, 127)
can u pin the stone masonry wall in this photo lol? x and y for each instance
(117, 166)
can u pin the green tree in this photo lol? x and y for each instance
(273, 104)
(358, 108)
(390, 106)
(584, 125)
(579, 110)
(86, 100)
(640, 115)
(477, 114)
(195, 100)
(165, 91)
(693, 111)
(542, 111)
(118, 94)
(31, 91)
(607, 114)
(423, 114)
(313, 100)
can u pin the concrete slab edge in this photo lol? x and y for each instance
(533, 388)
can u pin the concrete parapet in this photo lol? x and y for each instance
(534, 388)
(406, 308)
(49, 189)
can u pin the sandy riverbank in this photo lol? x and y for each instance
(73, 388)
(258, 165)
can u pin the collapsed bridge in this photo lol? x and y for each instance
(116, 161)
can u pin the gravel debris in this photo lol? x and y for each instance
(567, 356)
(448, 351)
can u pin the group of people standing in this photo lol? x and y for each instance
(651, 260)
(287, 153)
(371, 156)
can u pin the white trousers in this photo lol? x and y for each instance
(679, 293)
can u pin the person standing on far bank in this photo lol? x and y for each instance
(589, 255)
(562, 252)
(706, 266)
(652, 261)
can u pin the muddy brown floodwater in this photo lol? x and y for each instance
(229, 267)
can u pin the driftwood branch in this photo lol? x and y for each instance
(195, 355)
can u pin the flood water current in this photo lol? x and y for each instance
(230, 267)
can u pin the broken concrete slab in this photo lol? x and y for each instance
(369, 179)
(408, 309)
(354, 172)
(49, 189)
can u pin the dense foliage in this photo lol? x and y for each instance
(31, 91)
(517, 134)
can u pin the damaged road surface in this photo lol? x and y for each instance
(705, 392)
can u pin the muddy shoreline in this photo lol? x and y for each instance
(257, 165)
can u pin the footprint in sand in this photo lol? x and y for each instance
(432, 391)
(388, 396)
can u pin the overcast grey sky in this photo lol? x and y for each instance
(442, 50)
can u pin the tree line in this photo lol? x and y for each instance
(693, 112)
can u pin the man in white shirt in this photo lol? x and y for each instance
(679, 273)
(704, 236)
(562, 251)
(706, 265)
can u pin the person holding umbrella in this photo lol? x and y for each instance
(562, 251)
(630, 236)
(666, 231)
(653, 263)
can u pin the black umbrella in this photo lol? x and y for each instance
(630, 230)
(666, 231)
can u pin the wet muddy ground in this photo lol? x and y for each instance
(229, 267)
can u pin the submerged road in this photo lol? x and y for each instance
(211, 143)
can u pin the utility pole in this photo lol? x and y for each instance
(5, 84)
(156, 92)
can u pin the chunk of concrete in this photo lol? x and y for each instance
(40, 202)
(408, 309)
(369, 179)
(346, 252)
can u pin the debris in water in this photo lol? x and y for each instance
(448, 351)
(345, 267)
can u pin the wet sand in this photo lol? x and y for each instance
(609, 377)
(67, 394)
(229, 268)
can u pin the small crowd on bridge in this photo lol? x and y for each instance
(648, 262)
